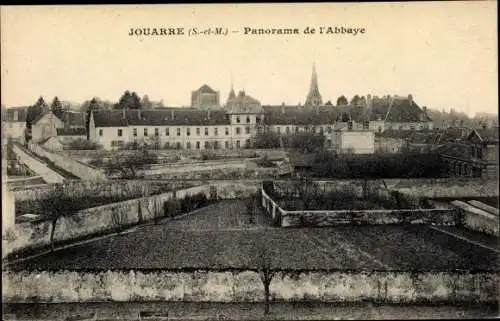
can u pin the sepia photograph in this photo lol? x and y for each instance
(272, 161)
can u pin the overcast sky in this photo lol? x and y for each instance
(444, 54)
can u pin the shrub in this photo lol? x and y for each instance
(172, 208)
(208, 155)
(83, 144)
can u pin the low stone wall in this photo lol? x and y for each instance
(79, 169)
(246, 286)
(97, 219)
(285, 218)
(477, 219)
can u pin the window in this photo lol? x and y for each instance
(329, 129)
(227, 131)
(216, 145)
(257, 120)
(188, 145)
(329, 143)
(248, 119)
(188, 131)
(247, 143)
(134, 132)
(117, 143)
(297, 129)
(167, 145)
(207, 145)
(100, 132)
(247, 130)
(178, 145)
(167, 131)
(237, 144)
(216, 131)
(157, 132)
(238, 130)
(278, 129)
(287, 129)
(206, 131)
(178, 131)
(120, 132)
(226, 144)
(145, 132)
(198, 131)
(238, 119)
(198, 144)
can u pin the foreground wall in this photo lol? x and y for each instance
(246, 286)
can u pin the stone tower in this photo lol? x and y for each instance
(314, 97)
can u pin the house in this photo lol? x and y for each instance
(44, 126)
(182, 128)
(484, 145)
(360, 141)
(52, 143)
(460, 160)
(14, 122)
(392, 141)
(423, 141)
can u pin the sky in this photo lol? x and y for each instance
(443, 53)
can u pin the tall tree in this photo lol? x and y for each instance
(33, 112)
(57, 108)
(356, 100)
(342, 101)
(129, 101)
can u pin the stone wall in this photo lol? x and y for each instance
(79, 169)
(477, 219)
(246, 286)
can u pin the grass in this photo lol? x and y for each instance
(219, 237)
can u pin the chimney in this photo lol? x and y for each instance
(172, 115)
(410, 99)
(16, 115)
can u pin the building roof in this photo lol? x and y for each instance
(205, 89)
(243, 104)
(71, 132)
(396, 109)
(75, 118)
(8, 114)
(456, 150)
(159, 117)
(305, 115)
(397, 134)
(486, 135)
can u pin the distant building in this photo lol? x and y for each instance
(47, 124)
(204, 98)
(67, 135)
(353, 141)
(14, 122)
(314, 97)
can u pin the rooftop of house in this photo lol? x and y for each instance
(457, 150)
(159, 117)
(243, 104)
(395, 109)
(306, 115)
(71, 131)
(9, 114)
(487, 135)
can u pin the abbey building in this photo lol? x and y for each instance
(209, 124)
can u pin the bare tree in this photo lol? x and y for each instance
(266, 272)
(57, 205)
(129, 166)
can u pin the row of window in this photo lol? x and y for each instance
(238, 120)
(189, 145)
(188, 131)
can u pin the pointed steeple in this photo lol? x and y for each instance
(231, 92)
(314, 97)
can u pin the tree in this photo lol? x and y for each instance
(57, 108)
(356, 100)
(264, 261)
(266, 140)
(128, 166)
(305, 142)
(57, 205)
(129, 101)
(33, 112)
(146, 103)
(342, 101)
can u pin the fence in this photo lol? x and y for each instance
(246, 286)
(79, 169)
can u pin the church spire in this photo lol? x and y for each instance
(231, 92)
(314, 97)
